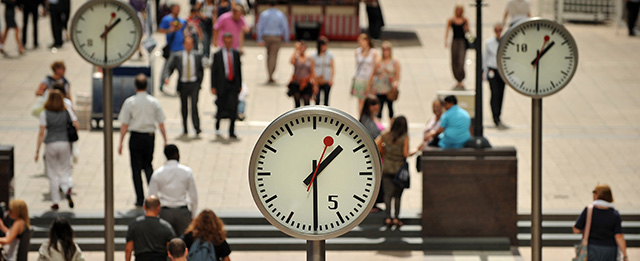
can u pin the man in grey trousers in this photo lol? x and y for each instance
(175, 186)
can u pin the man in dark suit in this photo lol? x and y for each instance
(189, 65)
(226, 83)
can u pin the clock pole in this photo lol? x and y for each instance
(107, 101)
(478, 140)
(536, 179)
(315, 250)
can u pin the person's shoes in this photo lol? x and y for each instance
(138, 205)
(387, 222)
(501, 126)
(459, 88)
(241, 116)
(198, 131)
(54, 207)
(68, 196)
(217, 125)
(233, 137)
(35, 46)
(397, 222)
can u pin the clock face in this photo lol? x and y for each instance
(537, 57)
(308, 202)
(106, 32)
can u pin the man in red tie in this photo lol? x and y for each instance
(226, 83)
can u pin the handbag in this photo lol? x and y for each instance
(403, 178)
(581, 249)
(471, 41)
(72, 132)
(38, 107)
(392, 95)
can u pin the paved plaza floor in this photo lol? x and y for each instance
(591, 129)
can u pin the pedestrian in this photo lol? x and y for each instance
(492, 74)
(58, 68)
(208, 227)
(633, 6)
(30, 8)
(190, 73)
(460, 26)
(53, 123)
(140, 6)
(56, 12)
(433, 125)
(10, 21)
(193, 29)
(222, 7)
(148, 235)
(226, 83)
(177, 249)
(60, 246)
(394, 148)
(366, 57)
(19, 212)
(323, 67)
(206, 16)
(173, 26)
(66, 16)
(518, 10)
(374, 17)
(604, 236)
(175, 186)
(139, 115)
(273, 28)
(454, 126)
(302, 85)
(369, 118)
(231, 22)
(385, 78)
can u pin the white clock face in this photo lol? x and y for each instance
(346, 183)
(537, 57)
(110, 23)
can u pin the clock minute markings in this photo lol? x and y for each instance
(340, 129)
(288, 130)
(270, 148)
(358, 198)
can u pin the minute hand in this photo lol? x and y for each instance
(543, 52)
(323, 164)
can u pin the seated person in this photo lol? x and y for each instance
(433, 124)
(454, 126)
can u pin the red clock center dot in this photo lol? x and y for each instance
(328, 141)
(546, 38)
(113, 14)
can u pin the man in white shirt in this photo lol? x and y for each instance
(139, 114)
(174, 184)
(492, 74)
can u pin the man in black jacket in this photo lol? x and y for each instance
(226, 83)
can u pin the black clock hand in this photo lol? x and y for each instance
(537, 71)
(542, 54)
(314, 164)
(109, 28)
(324, 164)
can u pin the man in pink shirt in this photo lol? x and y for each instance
(231, 22)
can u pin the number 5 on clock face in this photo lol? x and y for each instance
(315, 173)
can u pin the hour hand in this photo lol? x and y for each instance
(538, 57)
(323, 164)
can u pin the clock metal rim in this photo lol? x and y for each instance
(517, 27)
(321, 111)
(127, 8)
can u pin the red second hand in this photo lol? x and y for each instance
(328, 141)
(546, 39)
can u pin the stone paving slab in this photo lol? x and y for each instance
(591, 128)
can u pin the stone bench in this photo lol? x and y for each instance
(469, 192)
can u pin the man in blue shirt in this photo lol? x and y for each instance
(173, 26)
(454, 125)
(272, 28)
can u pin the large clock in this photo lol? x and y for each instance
(315, 173)
(106, 32)
(537, 57)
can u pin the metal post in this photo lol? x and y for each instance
(107, 105)
(478, 140)
(536, 179)
(315, 250)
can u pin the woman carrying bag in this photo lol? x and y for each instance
(604, 235)
(394, 151)
(54, 122)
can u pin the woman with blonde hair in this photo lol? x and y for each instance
(53, 123)
(605, 234)
(385, 77)
(366, 57)
(207, 226)
(19, 212)
(460, 26)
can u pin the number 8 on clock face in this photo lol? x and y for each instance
(315, 173)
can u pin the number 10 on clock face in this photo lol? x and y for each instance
(315, 173)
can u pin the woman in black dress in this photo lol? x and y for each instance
(10, 21)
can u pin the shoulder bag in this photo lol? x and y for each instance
(72, 132)
(402, 179)
(581, 249)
